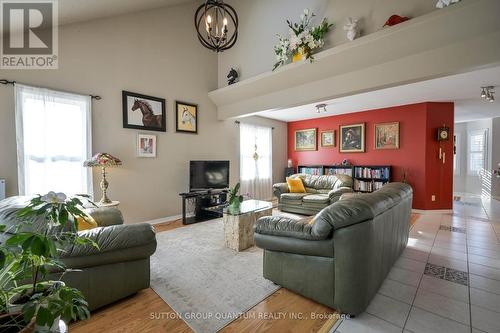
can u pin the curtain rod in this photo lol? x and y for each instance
(237, 122)
(5, 82)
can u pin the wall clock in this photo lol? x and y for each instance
(443, 133)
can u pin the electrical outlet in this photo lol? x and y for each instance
(433, 198)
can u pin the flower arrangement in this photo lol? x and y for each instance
(303, 39)
(32, 297)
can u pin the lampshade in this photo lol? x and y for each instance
(102, 160)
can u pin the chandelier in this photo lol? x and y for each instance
(217, 25)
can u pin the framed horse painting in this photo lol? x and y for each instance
(186, 117)
(144, 112)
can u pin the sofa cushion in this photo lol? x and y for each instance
(293, 196)
(316, 198)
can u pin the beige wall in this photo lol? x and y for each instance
(154, 53)
(261, 20)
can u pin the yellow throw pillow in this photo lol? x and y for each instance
(86, 224)
(295, 185)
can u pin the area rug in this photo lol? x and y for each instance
(205, 283)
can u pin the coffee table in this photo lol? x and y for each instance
(238, 226)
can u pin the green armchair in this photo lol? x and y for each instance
(321, 191)
(119, 268)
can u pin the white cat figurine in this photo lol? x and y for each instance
(352, 28)
(445, 3)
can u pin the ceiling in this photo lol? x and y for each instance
(71, 11)
(463, 89)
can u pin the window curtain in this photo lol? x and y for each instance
(256, 161)
(53, 132)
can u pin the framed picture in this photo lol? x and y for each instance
(328, 139)
(352, 138)
(146, 145)
(186, 117)
(143, 112)
(387, 136)
(305, 139)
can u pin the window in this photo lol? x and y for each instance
(477, 151)
(456, 154)
(256, 161)
(53, 140)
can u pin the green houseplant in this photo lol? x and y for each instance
(234, 198)
(33, 298)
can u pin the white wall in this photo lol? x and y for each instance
(261, 20)
(464, 182)
(154, 53)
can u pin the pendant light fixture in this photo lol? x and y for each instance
(321, 107)
(216, 24)
(488, 93)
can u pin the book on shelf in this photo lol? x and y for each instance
(369, 172)
(367, 186)
(338, 171)
(316, 171)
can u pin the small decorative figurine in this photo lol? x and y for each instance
(445, 3)
(346, 162)
(232, 77)
(395, 19)
(352, 28)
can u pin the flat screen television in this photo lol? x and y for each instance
(205, 175)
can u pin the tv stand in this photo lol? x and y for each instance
(208, 205)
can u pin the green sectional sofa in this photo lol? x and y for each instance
(321, 191)
(119, 268)
(340, 257)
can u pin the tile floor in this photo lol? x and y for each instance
(446, 280)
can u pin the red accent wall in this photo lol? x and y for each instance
(417, 156)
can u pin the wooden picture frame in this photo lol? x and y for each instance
(328, 138)
(153, 117)
(386, 135)
(306, 139)
(186, 117)
(146, 145)
(352, 138)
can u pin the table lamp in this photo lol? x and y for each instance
(103, 160)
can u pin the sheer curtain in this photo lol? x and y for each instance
(256, 161)
(53, 140)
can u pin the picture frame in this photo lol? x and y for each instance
(387, 135)
(328, 139)
(143, 112)
(186, 117)
(146, 145)
(305, 139)
(352, 138)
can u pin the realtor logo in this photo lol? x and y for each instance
(29, 34)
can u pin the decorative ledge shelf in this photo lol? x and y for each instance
(459, 38)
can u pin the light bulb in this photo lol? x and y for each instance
(492, 98)
(209, 19)
(483, 93)
(224, 21)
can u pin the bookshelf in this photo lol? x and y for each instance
(366, 178)
(369, 178)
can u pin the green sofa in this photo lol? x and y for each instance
(321, 191)
(340, 257)
(119, 268)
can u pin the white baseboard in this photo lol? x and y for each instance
(164, 219)
(436, 211)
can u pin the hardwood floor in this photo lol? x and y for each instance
(283, 311)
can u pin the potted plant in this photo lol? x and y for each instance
(33, 297)
(235, 199)
(303, 40)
